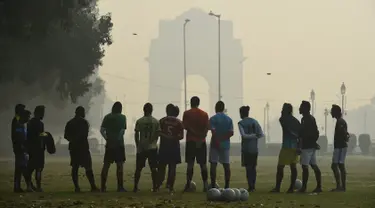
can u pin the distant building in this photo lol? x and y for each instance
(166, 61)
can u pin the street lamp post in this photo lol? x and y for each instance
(185, 84)
(325, 121)
(267, 108)
(343, 92)
(312, 98)
(218, 16)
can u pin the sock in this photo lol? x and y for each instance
(254, 178)
(161, 174)
(336, 174)
(318, 177)
(103, 176)
(74, 175)
(171, 176)
(137, 176)
(91, 178)
(227, 175)
(38, 178)
(279, 177)
(17, 178)
(189, 175)
(204, 173)
(120, 180)
(213, 174)
(293, 177)
(305, 176)
(343, 175)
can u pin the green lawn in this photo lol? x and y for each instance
(58, 188)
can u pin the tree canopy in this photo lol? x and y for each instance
(50, 51)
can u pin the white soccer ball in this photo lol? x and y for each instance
(298, 184)
(193, 186)
(229, 195)
(238, 193)
(213, 194)
(244, 194)
(216, 186)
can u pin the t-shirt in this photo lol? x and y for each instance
(18, 136)
(77, 132)
(35, 143)
(291, 128)
(148, 128)
(196, 123)
(222, 127)
(113, 124)
(309, 132)
(341, 136)
(172, 127)
(247, 127)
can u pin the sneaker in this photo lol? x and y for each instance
(77, 190)
(275, 190)
(317, 190)
(121, 189)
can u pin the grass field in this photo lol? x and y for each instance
(59, 189)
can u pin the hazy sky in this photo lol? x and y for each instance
(305, 44)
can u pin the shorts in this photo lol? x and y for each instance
(219, 156)
(21, 160)
(36, 160)
(288, 156)
(196, 151)
(169, 156)
(249, 159)
(339, 155)
(114, 155)
(81, 159)
(151, 155)
(308, 156)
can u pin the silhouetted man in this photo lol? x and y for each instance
(113, 130)
(36, 146)
(76, 132)
(196, 123)
(340, 144)
(221, 127)
(18, 135)
(147, 130)
(172, 131)
(250, 132)
(309, 136)
(288, 154)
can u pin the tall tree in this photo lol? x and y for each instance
(49, 52)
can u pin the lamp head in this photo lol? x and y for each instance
(343, 89)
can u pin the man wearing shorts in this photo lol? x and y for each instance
(113, 129)
(172, 131)
(288, 153)
(340, 144)
(196, 123)
(77, 132)
(18, 135)
(36, 147)
(308, 143)
(250, 131)
(147, 130)
(221, 127)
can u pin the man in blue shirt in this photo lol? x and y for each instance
(221, 127)
(288, 153)
(250, 131)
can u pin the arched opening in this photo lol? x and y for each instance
(196, 86)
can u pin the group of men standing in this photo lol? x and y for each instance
(298, 139)
(28, 146)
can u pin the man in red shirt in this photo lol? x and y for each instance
(196, 123)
